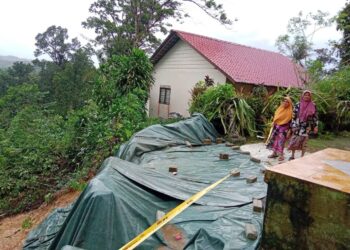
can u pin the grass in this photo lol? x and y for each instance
(27, 223)
(327, 140)
(339, 141)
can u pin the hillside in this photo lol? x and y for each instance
(7, 61)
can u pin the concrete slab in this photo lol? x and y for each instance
(259, 151)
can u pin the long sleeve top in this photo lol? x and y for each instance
(303, 128)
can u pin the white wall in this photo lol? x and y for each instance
(181, 68)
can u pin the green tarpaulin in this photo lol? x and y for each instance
(123, 199)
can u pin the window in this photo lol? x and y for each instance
(164, 95)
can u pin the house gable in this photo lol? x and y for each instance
(182, 57)
(179, 69)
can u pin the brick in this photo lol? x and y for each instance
(235, 147)
(253, 159)
(207, 142)
(251, 232)
(228, 144)
(257, 205)
(173, 169)
(224, 156)
(251, 179)
(219, 140)
(235, 172)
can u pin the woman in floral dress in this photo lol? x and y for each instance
(304, 122)
(281, 126)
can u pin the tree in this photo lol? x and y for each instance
(53, 43)
(72, 85)
(121, 75)
(17, 74)
(298, 43)
(16, 99)
(121, 25)
(343, 24)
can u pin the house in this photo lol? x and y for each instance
(183, 59)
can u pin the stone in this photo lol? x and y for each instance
(235, 147)
(207, 142)
(245, 152)
(219, 140)
(253, 159)
(224, 156)
(251, 232)
(239, 140)
(257, 205)
(251, 179)
(228, 144)
(235, 173)
(173, 169)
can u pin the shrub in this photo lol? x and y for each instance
(222, 102)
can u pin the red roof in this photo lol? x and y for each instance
(238, 62)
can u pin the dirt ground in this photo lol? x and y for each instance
(12, 235)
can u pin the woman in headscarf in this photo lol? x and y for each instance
(304, 122)
(281, 126)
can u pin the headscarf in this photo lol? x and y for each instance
(306, 108)
(283, 115)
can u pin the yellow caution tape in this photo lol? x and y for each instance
(170, 215)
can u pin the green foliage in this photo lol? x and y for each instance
(122, 25)
(53, 43)
(257, 100)
(274, 100)
(334, 90)
(121, 75)
(47, 71)
(77, 185)
(17, 74)
(33, 153)
(221, 102)
(315, 70)
(210, 102)
(68, 86)
(17, 98)
(297, 43)
(48, 198)
(27, 223)
(72, 85)
(55, 135)
(343, 24)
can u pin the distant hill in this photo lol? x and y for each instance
(7, 61)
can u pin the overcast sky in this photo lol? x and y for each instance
(259, 23)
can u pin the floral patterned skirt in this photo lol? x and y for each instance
(298, 142)
(278, 138)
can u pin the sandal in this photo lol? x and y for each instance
(291, 158)
(273, 155)
(281, 158)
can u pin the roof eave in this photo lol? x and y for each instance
(166, 45)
